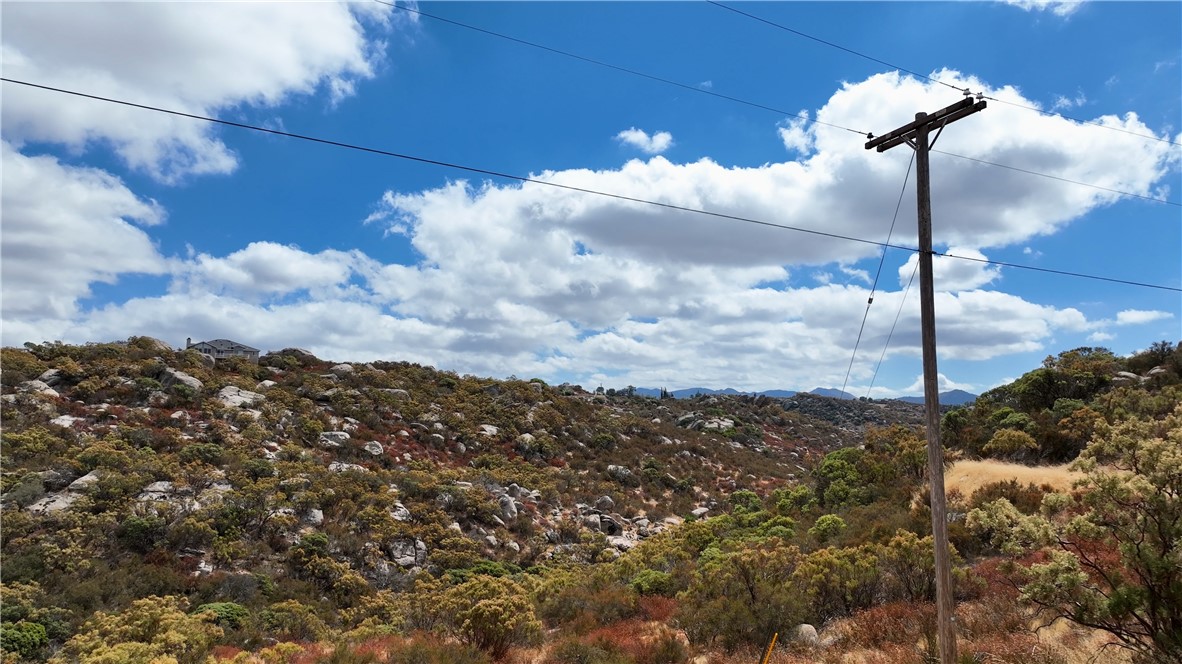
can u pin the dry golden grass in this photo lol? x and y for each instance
(968, 476)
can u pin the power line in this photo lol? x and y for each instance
(892, 332)
(874, 285)
(594, 192)
(935, 80)
(1061, 179)
(801, 116)
(626, 70)
(828, 43)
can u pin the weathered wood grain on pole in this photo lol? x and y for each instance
(931, 398)
(916, 134)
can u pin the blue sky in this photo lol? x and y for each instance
(119, 221)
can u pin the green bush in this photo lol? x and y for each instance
(652, 582)
(25, 638)
(202, 452)
(228, 614)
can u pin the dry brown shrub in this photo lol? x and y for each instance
(993, 614)
(1001, 648)
(897, 623)
(219, 653)
(657, 608)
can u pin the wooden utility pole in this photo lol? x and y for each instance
(915, 134)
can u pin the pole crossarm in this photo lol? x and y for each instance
(945, 116)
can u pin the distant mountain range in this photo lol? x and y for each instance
(950, 398)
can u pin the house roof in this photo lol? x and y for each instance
(227, 345)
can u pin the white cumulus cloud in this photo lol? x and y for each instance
(65, 228)
(201, 57)
(1138, 317)
(639, 139)
(1057, 7)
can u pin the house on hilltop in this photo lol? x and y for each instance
(222, 349)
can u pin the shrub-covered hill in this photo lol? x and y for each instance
(157, 505)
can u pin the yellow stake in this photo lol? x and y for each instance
(767, 655)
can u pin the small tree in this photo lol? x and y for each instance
(492, 614)
(1010, 443)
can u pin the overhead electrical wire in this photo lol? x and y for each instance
(881, 261)
(523, 179)
(892, 332)
(916, 74)
(762, 106)
(1060, 179)
(626, 70)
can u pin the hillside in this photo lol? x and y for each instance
(309, 500)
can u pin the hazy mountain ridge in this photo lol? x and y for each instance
(950, 398)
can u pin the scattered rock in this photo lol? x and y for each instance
(169, 377)
(609, 526)
(236, 397)
(408, 552)
(333, 439)
(51, 377)
(400, 513)
(621, 543)
(605, 504)
(37, 387)
(85, 482)
(488, 430)
(66, 421)
(341, 369)
(56, 480)
(265, 385)
(620, 474)
(304, 356)
(340, 467)
(805, 633)
(508, 507)
(374, 447)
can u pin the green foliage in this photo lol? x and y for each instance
(792, 500)
(1008, 443)
(227, 614)
(745, 502)
(827, 527)
(27, 639)
(739, 596)
(19, 366)
(652, 582)
(142, 533)
(839, 482)
(492, 614)
(33, 443)
(27, 491)
(152, 630)
(292, 620)
(207, 453)
(838, 582)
